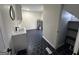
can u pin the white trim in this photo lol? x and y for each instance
(49, 42)
(76, 46)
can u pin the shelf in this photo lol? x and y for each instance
(71, 29)
(71, 38)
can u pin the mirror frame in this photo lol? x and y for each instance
(12, 13)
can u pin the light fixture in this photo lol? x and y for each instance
(27, 9)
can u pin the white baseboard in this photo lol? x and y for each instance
(49, 42)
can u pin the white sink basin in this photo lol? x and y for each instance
(19, 32)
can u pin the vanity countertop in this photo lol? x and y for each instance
(19, 33)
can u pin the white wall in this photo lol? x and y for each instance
(29, 19)
(8, 24)
(50, 23)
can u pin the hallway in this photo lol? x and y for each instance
(36, 44)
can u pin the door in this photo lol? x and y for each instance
(39, 24)
(2, 45)
(1, 41)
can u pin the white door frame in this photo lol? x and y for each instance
(76, 46)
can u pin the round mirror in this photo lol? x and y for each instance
(12, 13)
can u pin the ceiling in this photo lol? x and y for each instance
(32, 7)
